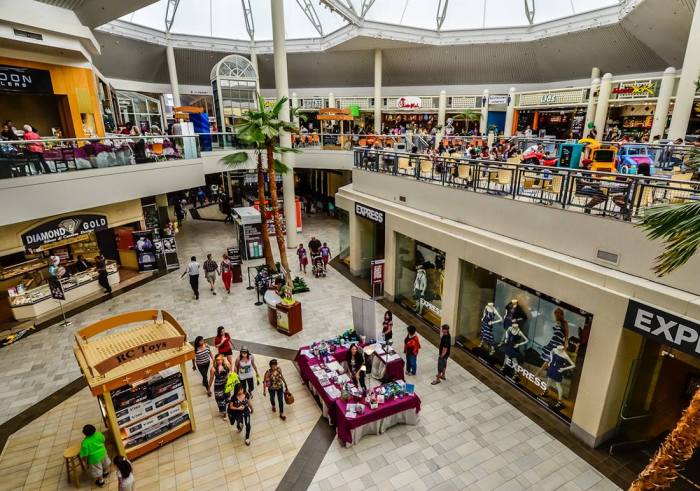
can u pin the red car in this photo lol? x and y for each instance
(539, 158)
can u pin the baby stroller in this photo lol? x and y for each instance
(317, 266)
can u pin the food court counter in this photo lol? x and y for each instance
(38, 301)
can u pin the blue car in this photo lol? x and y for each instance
(631, 157)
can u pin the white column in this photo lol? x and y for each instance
(254, 62)
(590, 107)
(377, 91)
(658, 127)
(442, 109)
(601, 111)
(172, 70)
(484, 112)
(686, 86)
(295, 104)
(331, 100)
(510, 113)
(595, 73)
(282, 86)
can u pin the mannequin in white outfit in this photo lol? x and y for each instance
(419, 286)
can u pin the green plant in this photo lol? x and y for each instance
(469, 116)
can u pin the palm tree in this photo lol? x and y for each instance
(262, 129)
(679, 227)
(469, 116)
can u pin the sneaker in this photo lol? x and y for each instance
(247, 442)
(213, 292)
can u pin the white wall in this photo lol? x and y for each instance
(28, 198)
(310, 158)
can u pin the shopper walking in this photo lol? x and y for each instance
(226, 269)
(388, 326)
(444, 354)
(125, 473)
(411, 346)
(245, 365)
(303, 258)
(223, 344)
(325, 255)
(94, 452)
(192, 270)
(218, 376)
(240, 407)
(102, 277)
(211, 270)
(202, 360)
(274, 381)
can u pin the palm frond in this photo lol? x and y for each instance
(694, 158)
(278, 106)
(279, 149)
(679, 228)
(235, 159)
(280, 167)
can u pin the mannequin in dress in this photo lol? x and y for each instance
(489, 317)
(513, 339)
(560, 336)
(514, 314)
(559, 362)
(419, 286)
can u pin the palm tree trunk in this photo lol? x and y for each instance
(674, 451)
(267, 248)
(279, 232)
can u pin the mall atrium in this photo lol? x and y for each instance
(350, 244)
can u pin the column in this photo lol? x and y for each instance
(484, 112)
(377, 91)
(254, 62)
(590, 107)
(172, 70)
(295, 104)
(510, 113)
(686, 86)
(282, 86)
(601, 111)
(331, 100)
(658, 127)
(442, 109)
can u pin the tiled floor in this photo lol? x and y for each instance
(468, 437)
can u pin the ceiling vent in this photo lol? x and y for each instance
(608, 257)
(27, 34)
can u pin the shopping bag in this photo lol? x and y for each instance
(288, 398)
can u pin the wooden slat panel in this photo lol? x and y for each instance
(117, 320)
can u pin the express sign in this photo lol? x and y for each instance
(369, 213)
(664, 327)
(63, 228)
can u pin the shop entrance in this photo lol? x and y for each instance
(44, 112)
(371, 244)
(662, 386)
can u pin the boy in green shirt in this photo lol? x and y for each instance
(94, 452)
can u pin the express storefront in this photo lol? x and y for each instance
(555, 113)
(58, 101)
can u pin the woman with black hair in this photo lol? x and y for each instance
(388, 326)
(125, 474)
(202, 360)
(240, 407)
(356, 366)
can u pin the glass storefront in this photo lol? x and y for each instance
(344, 238)
(420, 273)
(536, 341)
(139, 109)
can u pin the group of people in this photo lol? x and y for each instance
(212, 270)
(318, 251)
(32, 151)
(234, 380)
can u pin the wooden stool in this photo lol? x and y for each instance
(74, 464)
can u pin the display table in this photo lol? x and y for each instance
(402, 410)
(387, 367)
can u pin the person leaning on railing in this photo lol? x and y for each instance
(35, 149)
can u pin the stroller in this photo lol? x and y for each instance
(317, 266)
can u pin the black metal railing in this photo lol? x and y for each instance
(620, 196)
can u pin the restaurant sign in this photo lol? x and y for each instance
(316, 103)
(498, 100)
(631, 90)
(130, 354)
(409, 102)
(63, 228)
(25, 80)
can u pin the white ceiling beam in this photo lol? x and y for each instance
(341, 8)
(441, 13)
(310, 12)
(366, 5)
(248, 15)
(530, 11)
(170, 13)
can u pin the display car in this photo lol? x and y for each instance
(631, 157)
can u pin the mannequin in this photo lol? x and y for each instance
(489, 317)
(560, 336)
(559, 362)
(514, 314)
(419, 286)
(511, 342)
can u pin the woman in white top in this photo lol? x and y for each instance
(125, 474)
(245, 365)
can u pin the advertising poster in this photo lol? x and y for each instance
(56, 289)
(145, 250)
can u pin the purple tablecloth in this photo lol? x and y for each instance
(345, 425)
(394, 369)
(308, 376)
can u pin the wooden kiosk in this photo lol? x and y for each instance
(139, 377)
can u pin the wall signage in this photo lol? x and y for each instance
(409, 102)
(312, 103)
(498, 100)
(664, 327)
(25, 80)
(369, 213)
(548, 99)
(636, 89)
(63, 228)
(148, 348)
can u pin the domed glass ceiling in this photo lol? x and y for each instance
(226, 19)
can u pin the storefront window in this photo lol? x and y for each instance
(535, 340)
(344, 239)
(420, 272)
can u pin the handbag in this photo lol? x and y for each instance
(288, 397)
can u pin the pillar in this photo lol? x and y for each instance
(172, 71)
(590, 107)
(601, 111)
(442, 109)
(686, 86)
(295, 104)
(510, 113)
(282, 86)
(484, 112)
(331, 100)
(254, 62)
(658, 127)
(377, 91)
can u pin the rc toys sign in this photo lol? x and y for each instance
(666, 328)
(63, 228)
(136, 352)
